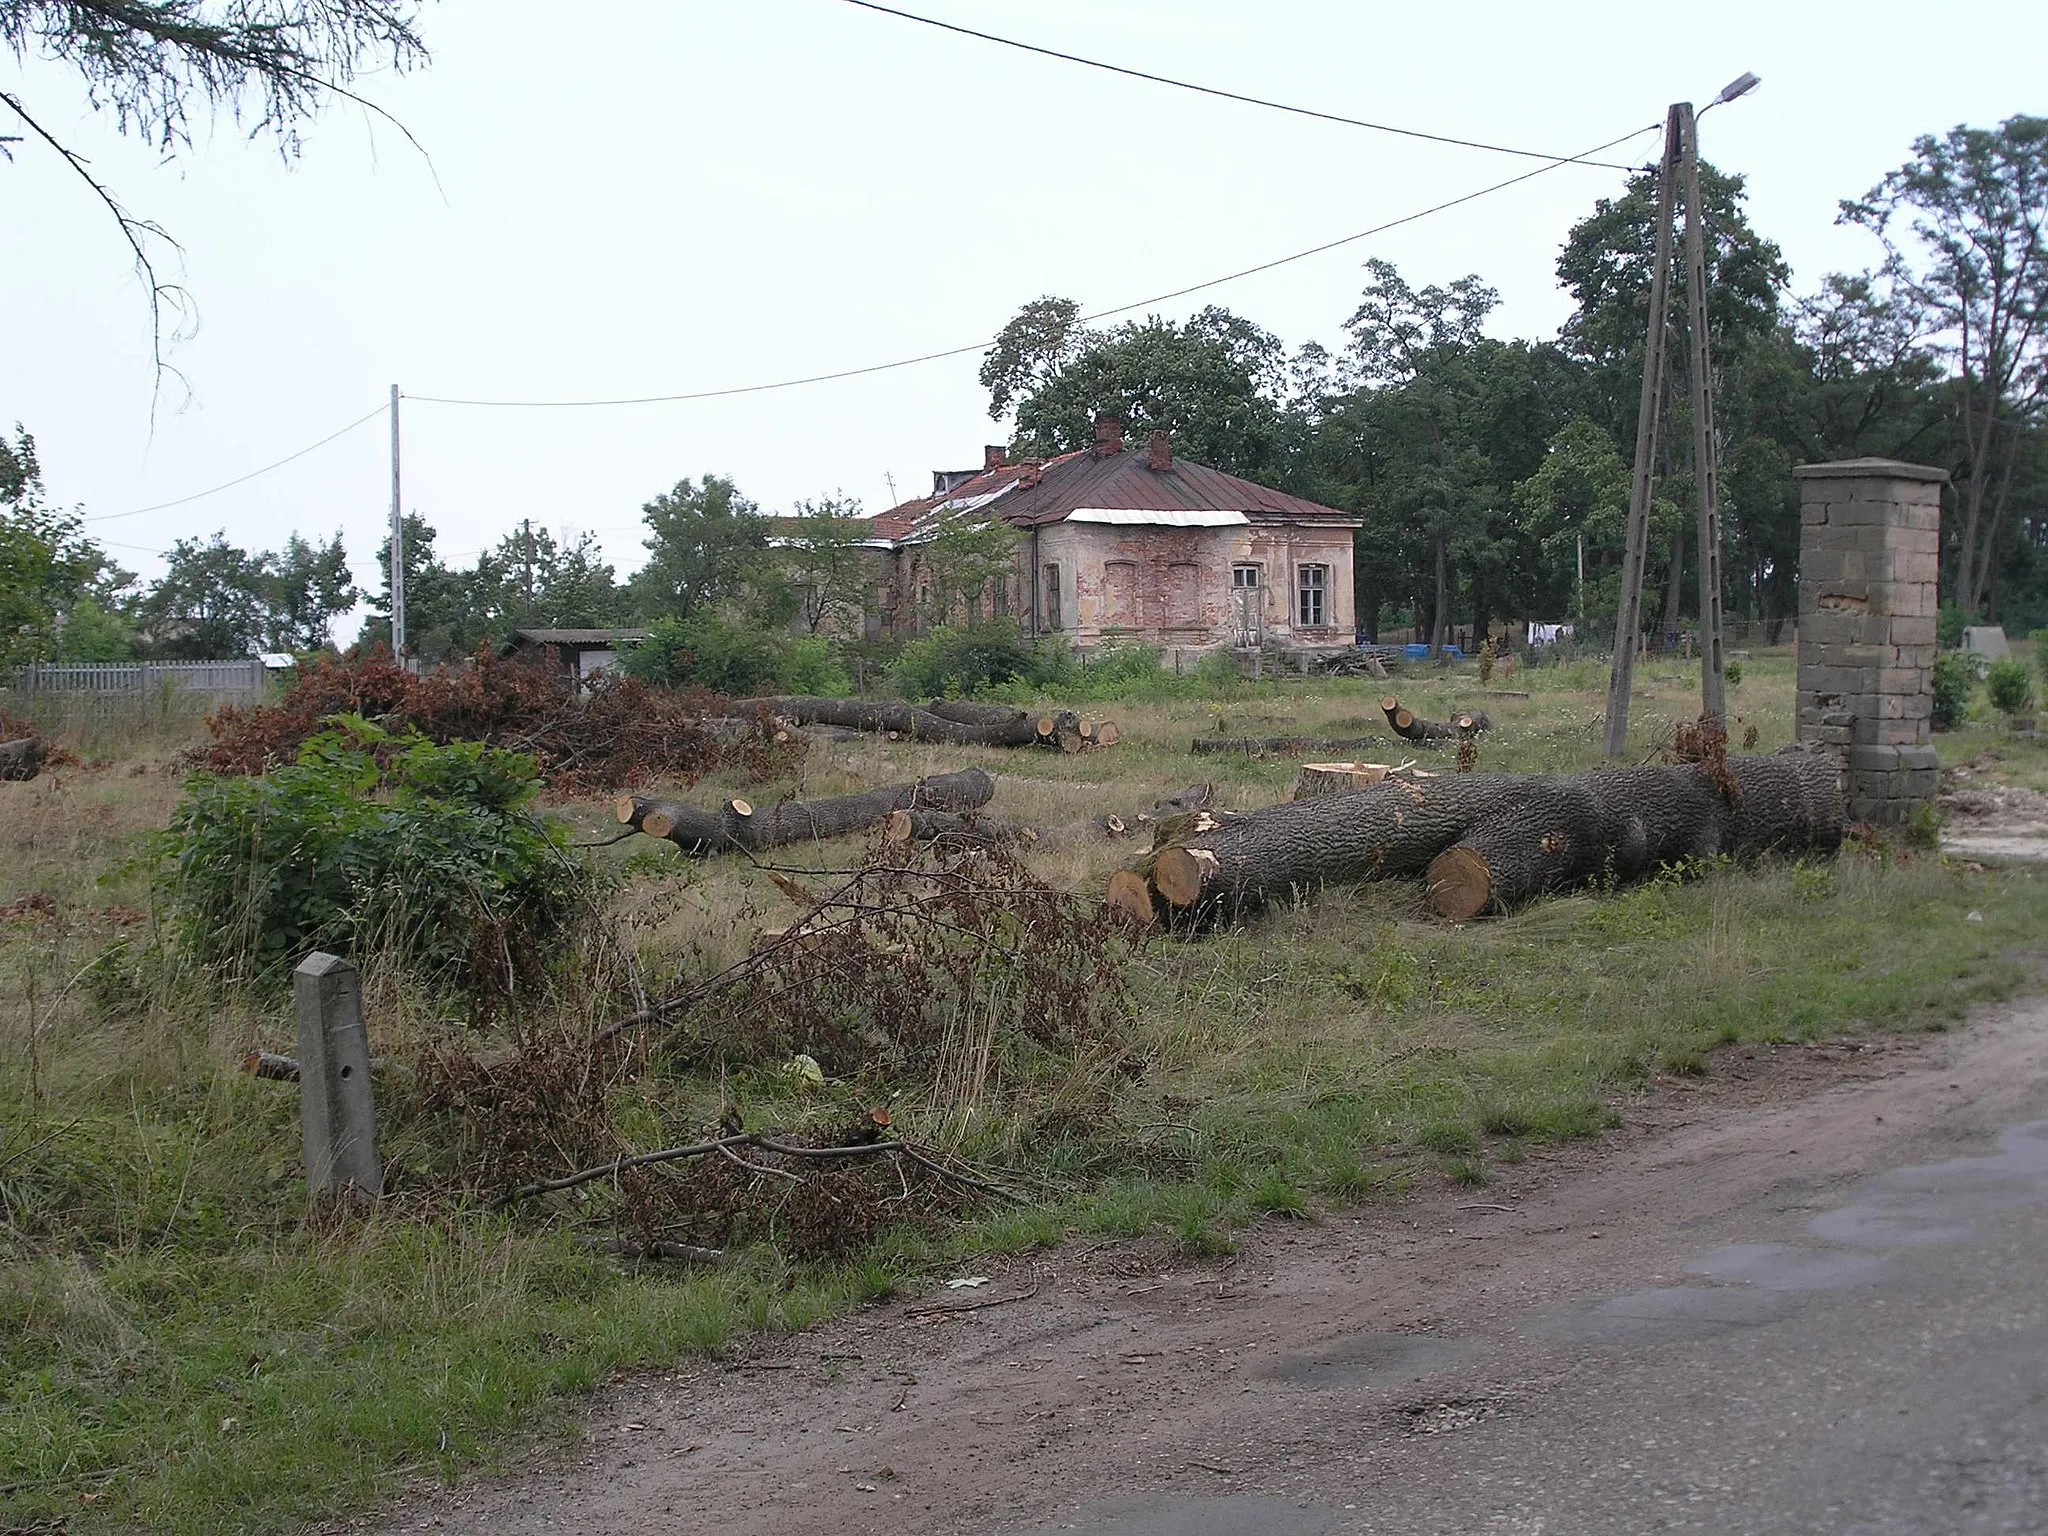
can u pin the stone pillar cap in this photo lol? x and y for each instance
(1869, 469)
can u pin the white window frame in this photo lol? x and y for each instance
(1312, 578)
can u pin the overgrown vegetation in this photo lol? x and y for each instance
(373, 844)
(161, 1278)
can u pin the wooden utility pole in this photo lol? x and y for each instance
(1713, 692)
(1628, 626)
(397, 546)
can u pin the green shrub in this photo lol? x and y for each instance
(810, 666)
(1116, 665)
(1950, 623)
(1731, 673)
(708, 650)
(372, 842)
(2011, 685)
(952, 661)
(2040, 639)
(1954, 676)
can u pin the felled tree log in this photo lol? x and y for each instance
(23, 757)
(740, 825)
(1279, 746)
(888, 717)
(1526, 833)
(1626, 822)
(923, 826)
(1409, 726)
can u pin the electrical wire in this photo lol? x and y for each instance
(108, 517)
(1237, 96)
(1100, 314)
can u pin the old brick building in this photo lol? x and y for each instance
(1116, 544)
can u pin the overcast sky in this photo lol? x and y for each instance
(695, 196)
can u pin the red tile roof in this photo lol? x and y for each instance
(1033, 494)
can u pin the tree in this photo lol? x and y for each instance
(310, 586)
(213, 601)
(1405, 346)
(1214, 384)
(269, 64)
(704, 541)
(51, 574)
(1975, 255)
(821, 550)
(439, 623)
(532, 580)
(960, 563)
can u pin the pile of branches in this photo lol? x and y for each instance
(616, 731)
(948, 963)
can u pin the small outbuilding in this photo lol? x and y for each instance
(582, 653)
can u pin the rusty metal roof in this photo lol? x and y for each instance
(1031, 495)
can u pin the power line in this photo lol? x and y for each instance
(108, 517)
(1100, 314)
(1237, 96)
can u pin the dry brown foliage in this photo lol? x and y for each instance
(616, 733)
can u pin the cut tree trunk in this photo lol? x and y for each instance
(1541, 832)
(23, 757)
(1409, 726)
(739, 825)
(1279, 746)
(1318, 779)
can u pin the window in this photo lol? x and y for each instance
(1120, 593)
(1311, 609)
(1244, 576)
(1052, 599)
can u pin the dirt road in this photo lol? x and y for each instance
(1806, 1297)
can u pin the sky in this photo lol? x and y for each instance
(644, 198)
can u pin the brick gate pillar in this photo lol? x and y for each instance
(1869, 554)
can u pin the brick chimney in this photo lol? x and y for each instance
(994, 456)
(1109, 435)
(1158, 452)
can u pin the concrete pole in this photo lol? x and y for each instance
(1628, 624)
(1713, 694)
(397, 546)
(336, 1114)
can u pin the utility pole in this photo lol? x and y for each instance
(1628, 626)
(1713, 692)
(397, 545)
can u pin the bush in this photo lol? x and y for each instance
(2011, 686)
(373, 843)
(734, 658)
(2040, 639)
(1731, 673)
(1953, 678)
(1116, 665)
(1950, 623)
(952, 661)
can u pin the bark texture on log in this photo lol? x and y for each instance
(1624, 823)
(1410, 726)
(738, 825)
(22, 758)
(1213, 866)
(1279, 746)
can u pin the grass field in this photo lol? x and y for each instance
(185, 1351)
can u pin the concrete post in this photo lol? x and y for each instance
(1869, 557)
(336, 1115)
